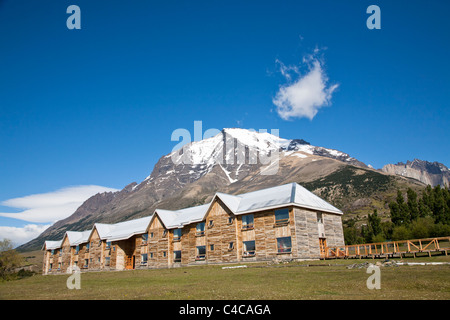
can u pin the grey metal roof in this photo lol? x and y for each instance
(179, 218)
(288, 194)
(51, 245)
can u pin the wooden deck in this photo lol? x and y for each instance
(390, 249)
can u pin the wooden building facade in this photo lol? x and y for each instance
(285, 222)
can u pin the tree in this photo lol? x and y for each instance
(413, 206)
(9, 258)
(399, 210)
(375, 222)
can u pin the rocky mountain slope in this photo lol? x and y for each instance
(234, 161)
(432, 173)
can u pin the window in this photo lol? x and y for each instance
(249, 248)
(211, 247)
(53, 252)
(284, 245)
(99, 243)
(177, 256)
(87, 247)
(144, 238)
(210, 223)
(201, 253)
(230, 220)
(151, 255)
(231, 246)
(319, 217)
(86, 263)
(247, 222)
(200, 230)
(151, 234)
(50, 267)
(164, 232)
(177, 234)
(282, 216)
(164, 254)
(108, 245)
(107, 261)
(144, 258)
(98, 259)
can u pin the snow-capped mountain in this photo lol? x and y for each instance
(236, 152)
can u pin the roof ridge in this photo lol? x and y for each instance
(293, 191)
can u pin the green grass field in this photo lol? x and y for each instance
(300, 280)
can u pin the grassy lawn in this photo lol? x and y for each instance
(301, 280)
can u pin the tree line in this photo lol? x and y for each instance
(411, 217)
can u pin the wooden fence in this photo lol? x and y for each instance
(389, 248)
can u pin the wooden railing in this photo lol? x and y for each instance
(389, 248)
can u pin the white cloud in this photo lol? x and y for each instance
(19, 236)
(304, 97)
(51, 206)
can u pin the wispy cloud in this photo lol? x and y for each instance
(19, 236)
(43, 209)
(303, 95)
(51, 206)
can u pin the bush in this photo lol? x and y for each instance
(25, 273)
(378, 238)
(440, 230)
(401, 233)
(422, 228)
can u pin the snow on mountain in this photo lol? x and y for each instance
(235, 152)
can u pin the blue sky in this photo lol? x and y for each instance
(97, 106)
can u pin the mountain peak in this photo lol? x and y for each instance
(432, 173)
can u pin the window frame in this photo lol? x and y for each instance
(177, 237)
(248, 253)
(144, 239)
(199, 256)
(199, 232)
(247, 225)
(284, 250)
(320, 217)
(144, 261)
(283, 221)
(175, 259)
